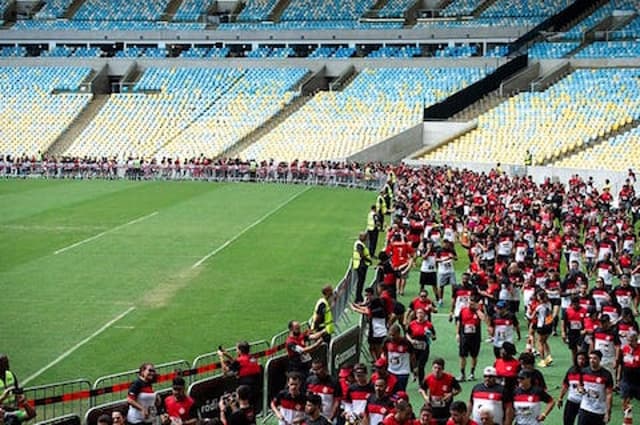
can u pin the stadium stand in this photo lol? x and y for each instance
(256, 10)
(572, 113)
(53, 9)
(33, 117)
(255, 98)
(121, 10)
(395, 8)
(610, 49)
(548, 50)
(378, 104)
(461, 7)
(631, 30)
(396, 52)
(598, 15)
(163, 103)
(191, 111)
(191, 10)
(617, 153)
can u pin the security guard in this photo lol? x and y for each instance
(381, 208)
(361, 261)
(7, 380)
(373, 228)
(322, 320)
(528, 159)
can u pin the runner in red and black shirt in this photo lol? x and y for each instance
(528, 401)
(597, 389)
(379, 404)
(492, 396)
(438, 389)
(571, 386)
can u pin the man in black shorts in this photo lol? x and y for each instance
(469, 337)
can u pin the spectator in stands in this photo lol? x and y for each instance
(289, 404)
(141, 397)
(179, 408)
(8, 380)
(237, 409)
(322, 320)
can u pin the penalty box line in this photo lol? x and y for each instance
(246, 229)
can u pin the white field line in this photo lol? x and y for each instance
(99, 235)
(78, 345)
(246, 229)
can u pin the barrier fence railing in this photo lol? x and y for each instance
(111, 387)
(59, 399)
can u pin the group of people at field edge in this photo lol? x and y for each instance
(544, 260)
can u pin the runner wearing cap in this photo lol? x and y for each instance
(502, 326)
(491, 395)
(528, 401)
(381, 372)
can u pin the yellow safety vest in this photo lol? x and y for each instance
(371, 221)
(9, 381)
(356, 253)
(328, 316)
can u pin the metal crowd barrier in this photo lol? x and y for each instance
(115, 385)
(59, 399)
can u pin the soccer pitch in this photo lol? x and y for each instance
(99, 276)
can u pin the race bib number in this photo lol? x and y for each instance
(469, 329)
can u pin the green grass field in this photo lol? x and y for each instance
(75, 255)
(287, 241)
